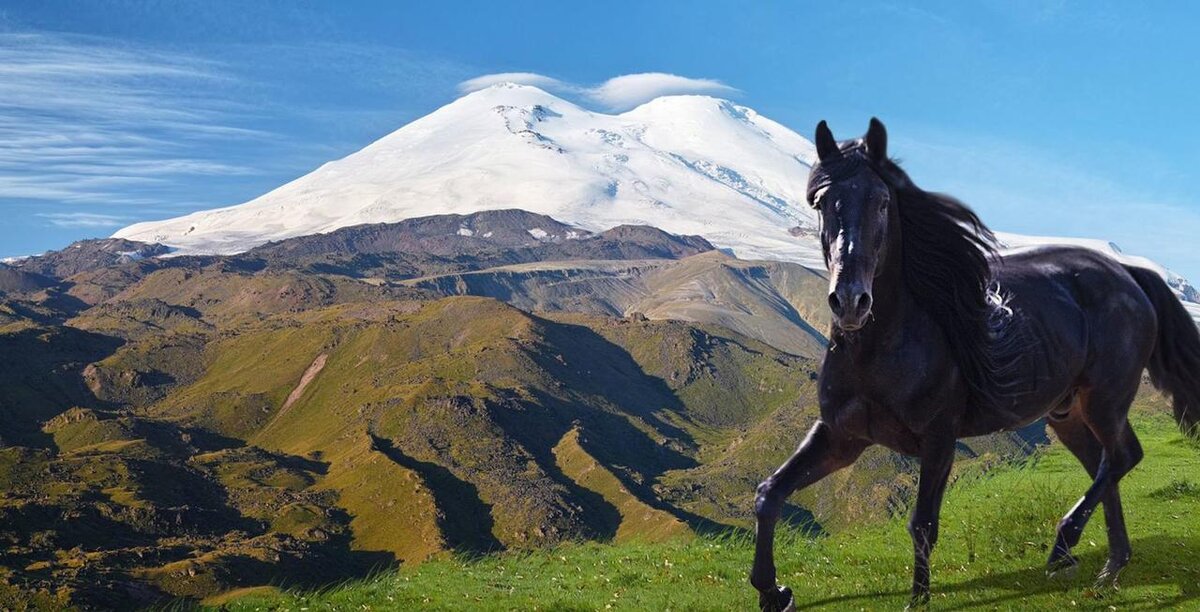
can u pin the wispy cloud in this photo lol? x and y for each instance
(85, 120)
(84, 220)
(618, 93)
(128, 131)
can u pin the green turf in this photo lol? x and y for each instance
(996, 528)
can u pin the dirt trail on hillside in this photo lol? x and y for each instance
(313, 369)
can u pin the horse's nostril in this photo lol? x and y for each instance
(835, 304)
(864, 303)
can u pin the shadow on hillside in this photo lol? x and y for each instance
(1016, 585)
(627, 452)
(538, 435)
(323, 567)
(605, 390)
(466, 519)
(762, 277)
(800, 519)
(41, 373)
(610, 372)
(64, 304)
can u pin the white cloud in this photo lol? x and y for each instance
(630, 90)
(84, 219)
(616, 94)
(521, 78)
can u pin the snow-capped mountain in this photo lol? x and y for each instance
(685, 164)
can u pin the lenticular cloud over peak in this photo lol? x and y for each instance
(630, 90)
(520, 78)
(616, 94)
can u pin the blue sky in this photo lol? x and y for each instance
(1057, 118)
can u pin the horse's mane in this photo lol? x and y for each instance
(947, 259)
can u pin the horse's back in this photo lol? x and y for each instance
(1098, 285)
(1086, 311)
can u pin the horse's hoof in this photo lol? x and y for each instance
(1063, 565)
(919, 601)
(777, 600)
(786, 594)
(1109, 575)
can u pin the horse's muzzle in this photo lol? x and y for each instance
(851, 305)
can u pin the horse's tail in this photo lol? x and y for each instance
(1175, 363)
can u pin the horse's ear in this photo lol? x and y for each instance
(876, 141)
(827, 147)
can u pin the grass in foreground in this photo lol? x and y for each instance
(995, 533)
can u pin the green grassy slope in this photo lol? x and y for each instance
(996, 528)
(382, 432)
(191, 455)
(182, 451)
(468, 399)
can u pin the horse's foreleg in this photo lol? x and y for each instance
(822, 453)
(937, 457)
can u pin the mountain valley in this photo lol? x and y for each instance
(184, 426)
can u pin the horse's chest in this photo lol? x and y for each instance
(867, 419)
(894, 376)
(890, 400)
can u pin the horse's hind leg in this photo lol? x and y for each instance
(1098, 433)
(1075, 435)
(1119, 549)
(822, 453)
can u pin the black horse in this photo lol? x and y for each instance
(936, 337)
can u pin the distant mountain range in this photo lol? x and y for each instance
(529, 260)
(684, 164)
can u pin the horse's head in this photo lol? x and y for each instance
(854, 203)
